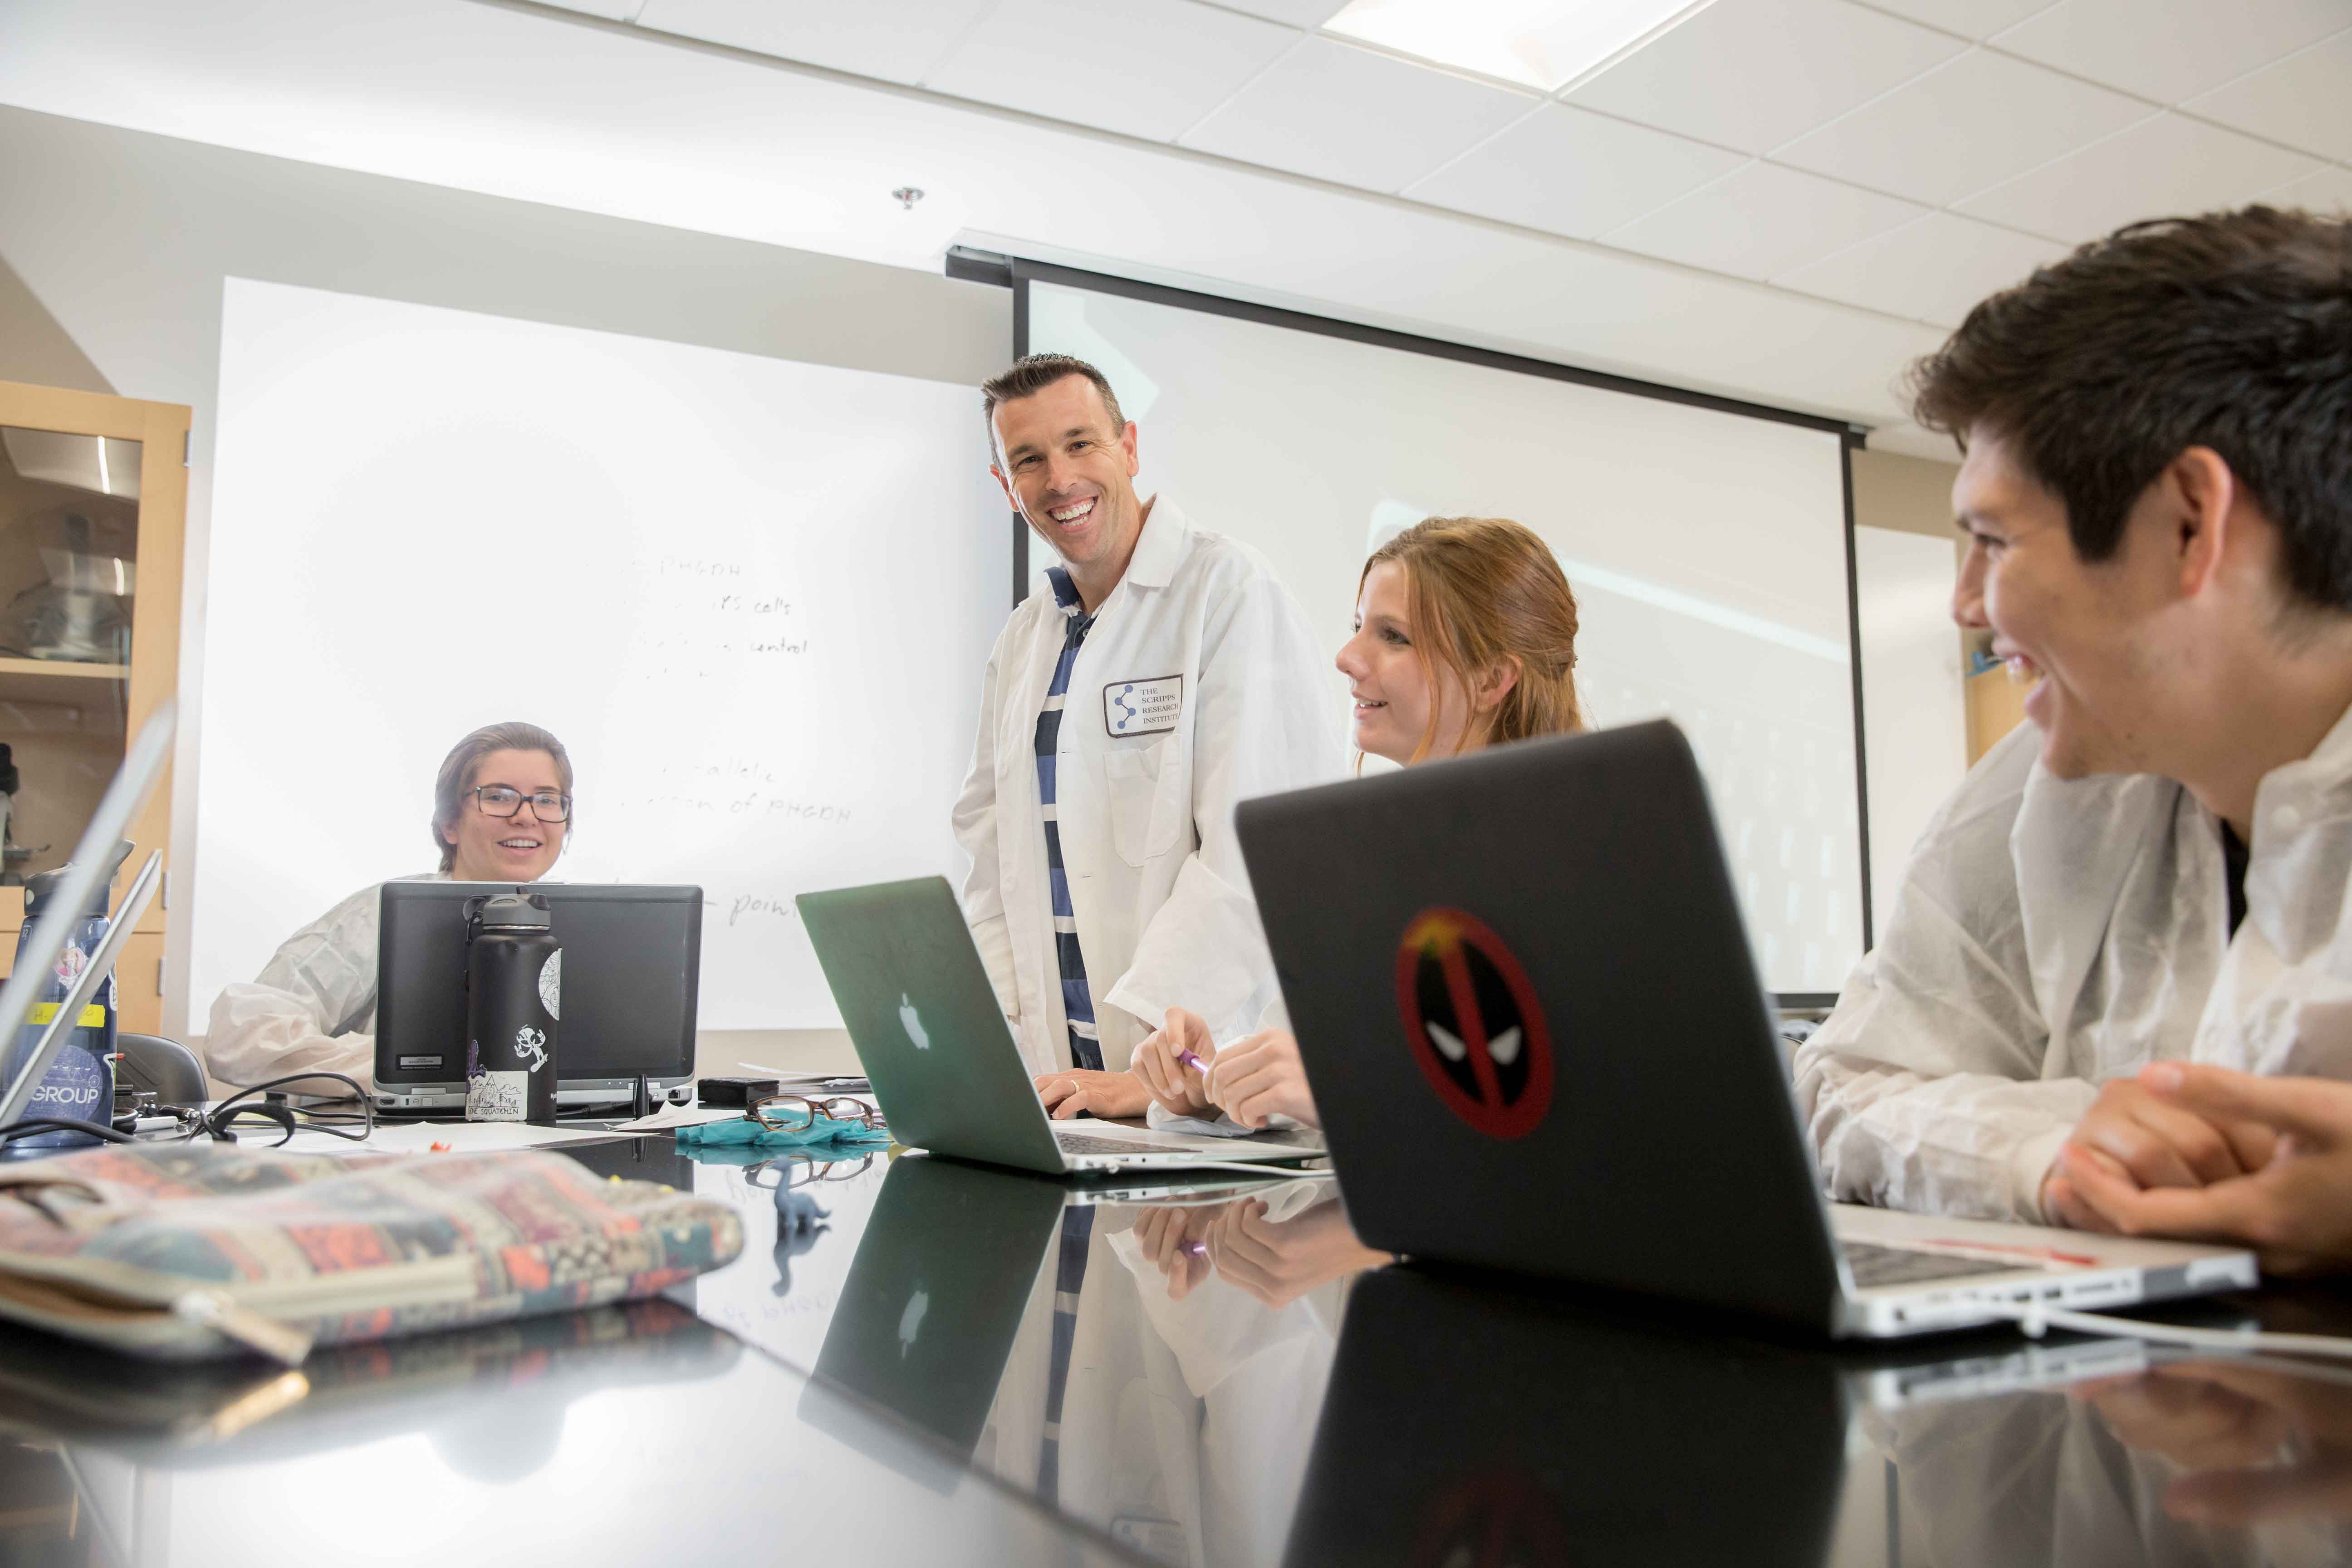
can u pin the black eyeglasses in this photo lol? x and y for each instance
(498, 800)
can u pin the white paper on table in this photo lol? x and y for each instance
(670, 1116)
(418, 1138)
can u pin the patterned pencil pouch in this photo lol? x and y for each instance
(180, 1251)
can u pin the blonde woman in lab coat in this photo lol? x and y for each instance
(1466, 638)
(501, 809)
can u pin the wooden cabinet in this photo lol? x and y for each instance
(93, 512)
(1996, 706)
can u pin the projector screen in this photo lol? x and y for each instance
(752, 597)
(1707, 549)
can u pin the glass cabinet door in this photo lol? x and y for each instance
(68, 587)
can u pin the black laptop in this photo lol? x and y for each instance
(632, 975)
(1524, 997)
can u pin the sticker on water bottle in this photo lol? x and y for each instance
(551, 984)
(497, 1096)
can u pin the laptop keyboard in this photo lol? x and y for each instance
(1876, 1268)
(1080, 1144)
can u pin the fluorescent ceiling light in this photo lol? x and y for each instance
(1543, 43)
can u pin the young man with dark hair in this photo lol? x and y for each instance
(1165, 677)
(2157, 494)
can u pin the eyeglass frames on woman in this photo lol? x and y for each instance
(498, 800)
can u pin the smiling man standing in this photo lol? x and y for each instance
(2157, 865)
(1166, 677)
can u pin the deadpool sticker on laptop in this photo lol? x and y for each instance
(1473, 1023)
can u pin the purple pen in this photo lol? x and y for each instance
(1192, 1061)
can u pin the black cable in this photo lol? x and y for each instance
(30, 1124)
(333, 1122)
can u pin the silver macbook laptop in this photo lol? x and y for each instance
(1538, 1043)
(945, 1067)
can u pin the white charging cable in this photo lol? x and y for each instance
(2033, 1319)
(1286, 1173)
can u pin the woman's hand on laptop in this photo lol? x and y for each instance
(1260, 1076)
(1159, 1066)
(2294, 1209)
(1075, 1091)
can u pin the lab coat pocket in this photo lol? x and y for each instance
(1142, 821)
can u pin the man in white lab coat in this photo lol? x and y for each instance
(1165, 677)
(2156, 498)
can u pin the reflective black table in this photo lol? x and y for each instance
(917, 1361)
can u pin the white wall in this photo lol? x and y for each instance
(1913, 717)
(125, 239)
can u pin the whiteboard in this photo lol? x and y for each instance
(753, 598)
(1706, 550)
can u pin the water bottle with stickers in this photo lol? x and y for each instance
(79, 1084)
(514, 997)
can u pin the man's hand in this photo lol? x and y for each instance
(2132, 1135)
(2255, 1443)
(2294, 1208)
(1106, 1094)
(1261, 1075)
(1175, 1084)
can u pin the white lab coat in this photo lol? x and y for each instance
(2049, 935)
(313, 1005)
(1162, 903)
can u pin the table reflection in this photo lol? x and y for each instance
(1147, 1361)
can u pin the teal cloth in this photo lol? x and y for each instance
(827, 1133)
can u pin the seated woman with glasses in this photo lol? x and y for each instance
(1466, 638)
(502, 807)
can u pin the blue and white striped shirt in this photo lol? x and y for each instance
(1078, 998)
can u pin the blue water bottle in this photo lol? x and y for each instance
(81, 1081)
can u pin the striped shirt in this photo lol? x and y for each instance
(1078, 998)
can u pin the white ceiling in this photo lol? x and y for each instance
(1781, 198)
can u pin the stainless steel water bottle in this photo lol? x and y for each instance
(514, 997)
(80, 1083)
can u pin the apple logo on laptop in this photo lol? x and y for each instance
(913, 1021)
(911, 1321)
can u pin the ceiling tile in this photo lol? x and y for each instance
(2329, 191)
(1969, 18)
(1146, 68)
(1963, 127)
(893, 41)
(1763, 220)
(1931, 270)
(2163, 167)
(1339, 112)
(2303, 100)
(2170, 49)
(1753, 73)
(1297, 13)
(1574, 173)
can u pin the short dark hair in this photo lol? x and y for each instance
(1032, 374)
(457, 775)
(2232, 330)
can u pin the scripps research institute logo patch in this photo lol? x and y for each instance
(1473, 1021)
(1143, 707)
